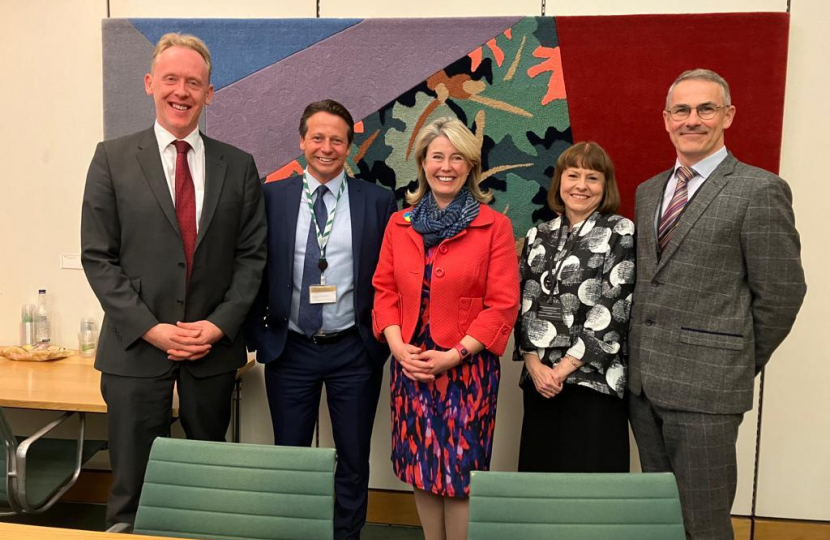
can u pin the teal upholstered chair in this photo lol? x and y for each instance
(39, 470)
(198, 489)
(537, 506)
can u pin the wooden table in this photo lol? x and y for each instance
(12, 531)
(71, 384)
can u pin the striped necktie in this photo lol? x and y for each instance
(670, 218)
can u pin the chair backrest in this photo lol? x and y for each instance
(198, 489)
(537, 506)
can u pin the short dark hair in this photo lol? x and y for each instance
(328, 106)
(586, 155)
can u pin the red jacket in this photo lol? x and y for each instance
(475, 282)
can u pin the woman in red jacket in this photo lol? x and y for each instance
(446, 299)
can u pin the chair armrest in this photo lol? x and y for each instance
(23, 447)
(9, 450)
(126, 528)
(19, 481)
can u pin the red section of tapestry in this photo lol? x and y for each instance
(618, 70)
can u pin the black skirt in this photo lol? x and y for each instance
(579, 430)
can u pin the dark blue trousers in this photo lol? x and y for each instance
(294, 382)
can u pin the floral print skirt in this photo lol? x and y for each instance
(442, 430)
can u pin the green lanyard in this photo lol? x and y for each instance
(322, 236)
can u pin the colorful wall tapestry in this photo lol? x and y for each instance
(528, 87)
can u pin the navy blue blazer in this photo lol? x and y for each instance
(371, 206)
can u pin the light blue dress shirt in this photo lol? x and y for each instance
(702, 168)
(339, 256)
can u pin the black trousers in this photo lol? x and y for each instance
(294, 383)
(579, 430)
(140, 409)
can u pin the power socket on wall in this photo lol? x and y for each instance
(71, 261)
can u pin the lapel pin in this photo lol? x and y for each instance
(407, 217)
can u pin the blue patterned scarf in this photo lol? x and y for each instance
(435, 224)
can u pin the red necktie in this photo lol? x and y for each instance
(681, 196)
(185, 203)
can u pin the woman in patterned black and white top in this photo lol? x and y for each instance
(577, 280)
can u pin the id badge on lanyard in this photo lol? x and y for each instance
(322, 293)
(552, 312)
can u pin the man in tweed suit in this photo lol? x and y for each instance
(719, 284)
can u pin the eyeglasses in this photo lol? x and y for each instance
(705, 111)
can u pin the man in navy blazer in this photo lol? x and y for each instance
(311, 323)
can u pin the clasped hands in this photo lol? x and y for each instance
(548, 381)
(184, 340)
(424, 366)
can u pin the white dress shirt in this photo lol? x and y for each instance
(195, 160)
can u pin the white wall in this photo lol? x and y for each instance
(794, 472)
(52, 90)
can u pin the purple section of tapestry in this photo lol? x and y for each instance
(364, 67)
(127, 54)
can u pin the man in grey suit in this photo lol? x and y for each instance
(719, 284)
(173, 245)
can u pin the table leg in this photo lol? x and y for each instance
(236, 415)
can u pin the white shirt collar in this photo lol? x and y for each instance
(164, 137)
(333, 185)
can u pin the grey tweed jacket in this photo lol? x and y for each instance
(709, 312)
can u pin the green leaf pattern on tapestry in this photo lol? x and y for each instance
(510, 92)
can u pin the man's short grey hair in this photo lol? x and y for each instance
(701, 74)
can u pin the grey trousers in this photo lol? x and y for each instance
(699, 449)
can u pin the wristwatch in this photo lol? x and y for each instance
(462, 351)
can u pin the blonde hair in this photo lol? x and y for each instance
(181, 40)
(467, 145)
(586, 155)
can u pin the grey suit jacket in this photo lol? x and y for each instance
(709, 312)
(132, 253)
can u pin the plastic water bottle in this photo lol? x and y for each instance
(41, 318)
